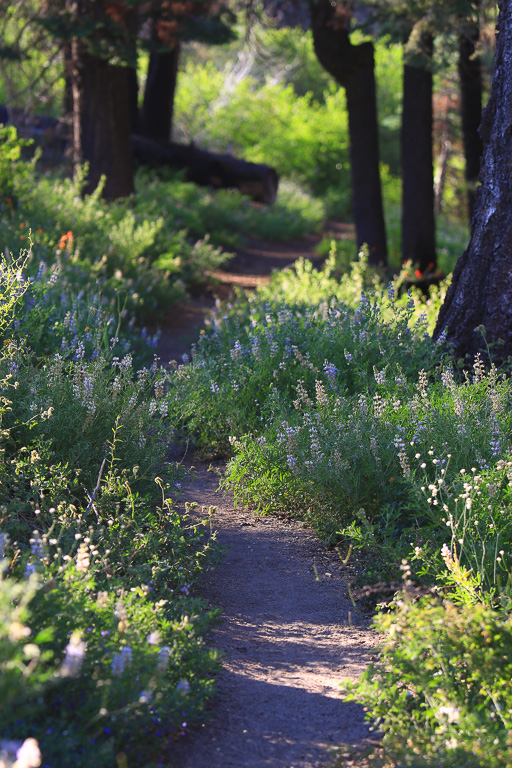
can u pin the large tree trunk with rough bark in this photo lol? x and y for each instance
(353, 68)
(418, 224)
(480, 297)
(158, 106)
(101, 122)
(470, 77)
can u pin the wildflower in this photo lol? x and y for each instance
(446, 554)
(120, 611)
(330, 369)
(121, 661)
(145, 697)
(74, 656)
(102, 599)
(380, 376)
(183, 687)
(236, 352)
(28, 755)
(154, 638)
(4, 543)
(83, 558)
(164, 656)
(37, 546)
(451, 713)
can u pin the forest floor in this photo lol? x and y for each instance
(289, 633)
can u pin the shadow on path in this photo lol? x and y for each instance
(289, 635)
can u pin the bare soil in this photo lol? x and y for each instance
(289, 636)
(289, 633)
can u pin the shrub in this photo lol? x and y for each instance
(101, 642)
(440, 691)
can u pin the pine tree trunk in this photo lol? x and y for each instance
(101, 122)
(133, 100)
(158, 107)
(353, 68)
(470, 76)
(360, 90)
(418, 224)
(481, 292)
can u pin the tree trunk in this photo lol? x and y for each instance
(101, 122)
(418, 225)
(470, 76)
(353, 68)
(481, 292)
(209, 168)
(133, 99)
(158, 107)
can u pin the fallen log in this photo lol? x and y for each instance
(209, 169)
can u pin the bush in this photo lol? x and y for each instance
(441, 691)
(101, 642)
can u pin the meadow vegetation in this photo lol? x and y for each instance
(324, 391)
(333, 403)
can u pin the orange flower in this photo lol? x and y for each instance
(417, 272)
(22, 224)
(40, 230)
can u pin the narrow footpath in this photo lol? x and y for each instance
(289, 635)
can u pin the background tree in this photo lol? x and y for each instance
(206, 22)
(418, 222)
(103, 36)
(353, 68)
(470, 76)
(480, 296)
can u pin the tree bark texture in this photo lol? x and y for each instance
(353, 68)
(470, 78)
(133, 99)
(418, 224)
(209, 168)
(481, 290)
(158, 107)
(101, 122)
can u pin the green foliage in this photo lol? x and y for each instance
(335, 405)
(225, 217)
(285, 118)
(440, 691)
(15, 173)
(31, 78)
(251, 362)
(101, 643)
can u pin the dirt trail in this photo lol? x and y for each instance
(289, 632)
(290, 635)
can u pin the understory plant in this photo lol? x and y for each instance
(101, 639)
(333, 403)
